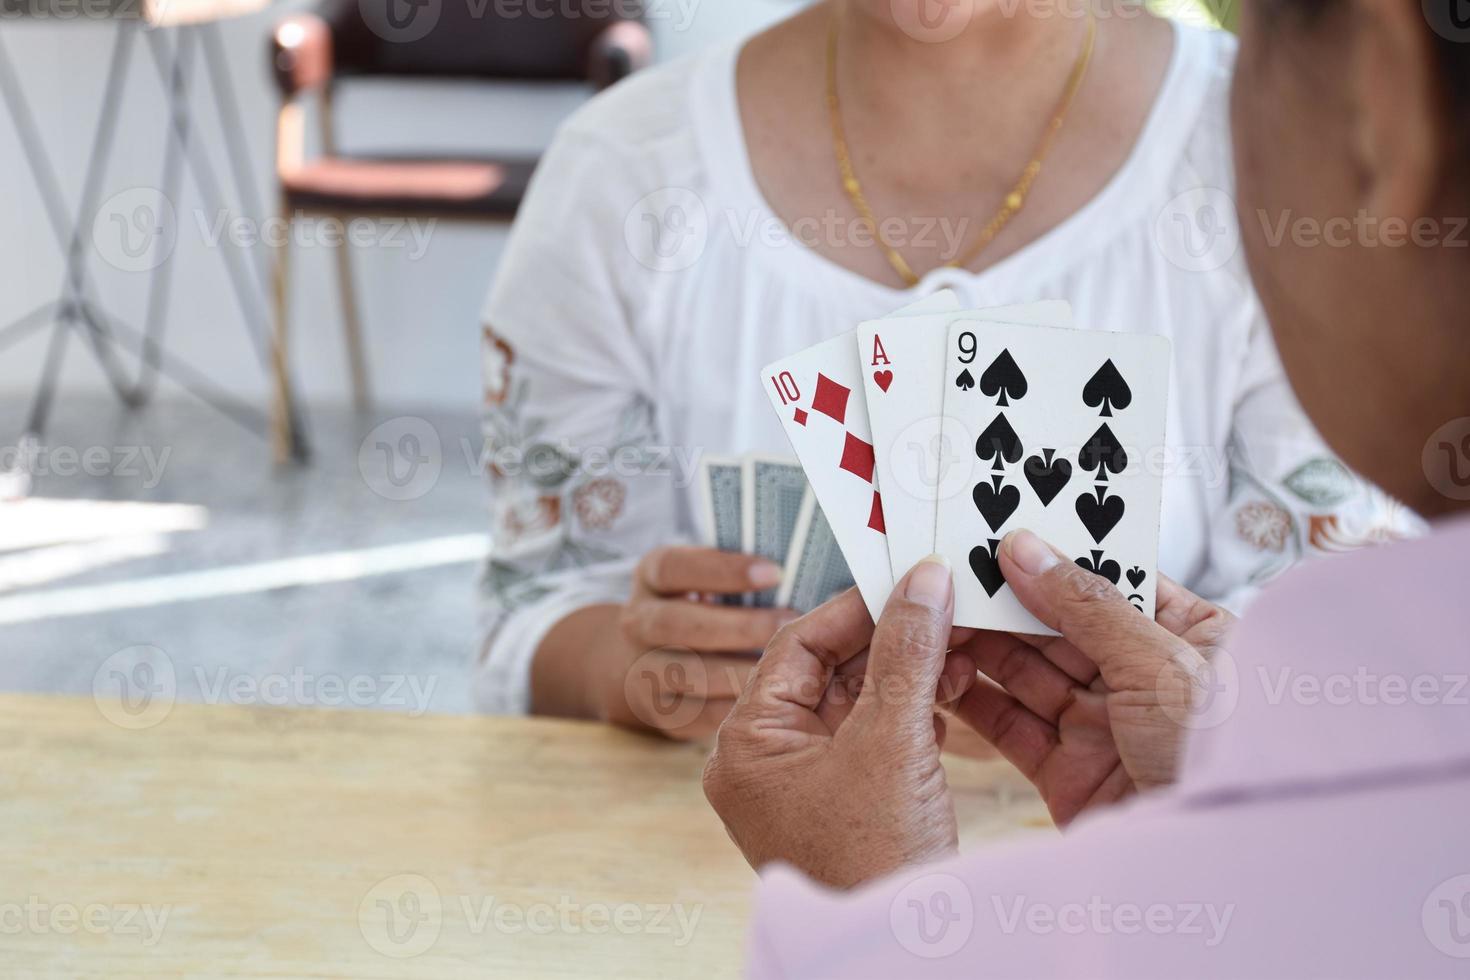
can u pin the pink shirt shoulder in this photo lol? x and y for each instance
(1317, 829)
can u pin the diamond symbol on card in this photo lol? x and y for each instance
(875, 516)
(800, 416)
(857, 457)
(831, 398)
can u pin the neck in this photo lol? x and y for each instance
(894, 58)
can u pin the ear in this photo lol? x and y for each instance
(1401, 117)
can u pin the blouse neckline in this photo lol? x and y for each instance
(722, 141)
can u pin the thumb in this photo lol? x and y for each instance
(1129, 648)
(908, 648)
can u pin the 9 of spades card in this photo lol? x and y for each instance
(1058, 429)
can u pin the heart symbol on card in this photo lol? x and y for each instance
(987, 568)
(883, 379)
(1136, 576)
(996, 504)
(1100, 514)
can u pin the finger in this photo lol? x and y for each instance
(800, 660)
(907, 654)
(1129, 649)
(725, 677)
(1028, 676)
(1019, 735)
(848, 680)
(955, 679)
(843, 691)
(706, 724)
(650, 623)
(1180, 611)
(679, 571)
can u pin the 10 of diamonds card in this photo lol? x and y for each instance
(1058, 432)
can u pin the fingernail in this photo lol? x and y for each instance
(930, 583)
(1031, 554)
(765, 574)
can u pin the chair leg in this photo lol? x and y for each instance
(283, 438)
(352, 325)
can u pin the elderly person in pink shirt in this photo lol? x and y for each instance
(1293, 807)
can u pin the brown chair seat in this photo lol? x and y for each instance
(470, 188)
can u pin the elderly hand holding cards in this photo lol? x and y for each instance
(848, 791)
(958, 434)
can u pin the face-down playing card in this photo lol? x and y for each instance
(721, 487)
(903, 374)
(773, 489)
(815, 568)
(1061, 433)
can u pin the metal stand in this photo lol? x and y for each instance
(74, 311)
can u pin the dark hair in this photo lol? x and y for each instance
(1449, 27)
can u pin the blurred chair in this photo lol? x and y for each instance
(593, 41)
(132, 230)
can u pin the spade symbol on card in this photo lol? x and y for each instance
(1100, 514)
(965, 381)
(1109, 569)
(1103, 453)
(1136, 576)
(1003, 378)
(1107, 389)
(996, 503)
(1047, 476)
(999, 442)
(986, 567)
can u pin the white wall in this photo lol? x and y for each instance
(421, 315)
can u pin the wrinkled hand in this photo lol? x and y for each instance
(681, 660)
(1099, 712)
(830, 760)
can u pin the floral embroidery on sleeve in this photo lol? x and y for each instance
(549, 507)
(1319, 506)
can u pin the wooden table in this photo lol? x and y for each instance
(227, 841)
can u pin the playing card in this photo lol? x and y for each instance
(903, 375)
(815, 569)
(720, 488)
(818, 395)
(773, 489)
(1059, 432)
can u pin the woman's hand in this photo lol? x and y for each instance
(830, 760)
(680, 661)
(1099, 712)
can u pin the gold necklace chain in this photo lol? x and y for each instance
(1013, 201)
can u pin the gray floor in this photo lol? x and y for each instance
(82, 579)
